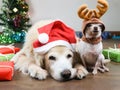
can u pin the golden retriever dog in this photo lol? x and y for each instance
(56, 62)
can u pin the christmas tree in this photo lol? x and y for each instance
(14, 20)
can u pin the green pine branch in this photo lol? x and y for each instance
(2, 24)
(11, 9)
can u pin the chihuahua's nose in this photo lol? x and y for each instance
(95, 29)
(66, 74)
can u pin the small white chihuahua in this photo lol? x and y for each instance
(90, 46)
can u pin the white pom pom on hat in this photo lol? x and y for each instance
(43, 38)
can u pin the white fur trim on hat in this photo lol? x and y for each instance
(47, 47)
(43, 38)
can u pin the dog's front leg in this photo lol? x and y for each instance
(81, 71)
(37, 72)
(100, 65)
(103, 63)
(35, 69)
(96, 67)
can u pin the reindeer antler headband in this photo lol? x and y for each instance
(85, 13)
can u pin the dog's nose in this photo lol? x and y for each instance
(95, 29)
(66, 74)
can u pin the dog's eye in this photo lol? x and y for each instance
(88, 25)
(102, 27)
(52, 58)
(69, 56)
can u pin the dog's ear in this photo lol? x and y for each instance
(102, 26)
(77, 59)
(86, 27)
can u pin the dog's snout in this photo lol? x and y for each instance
(66, 74)
(95, 29)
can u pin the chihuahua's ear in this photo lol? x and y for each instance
(86, 27)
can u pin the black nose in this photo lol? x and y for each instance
(95, 29)
(66, 74)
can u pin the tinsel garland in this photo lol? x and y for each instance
(15, 37)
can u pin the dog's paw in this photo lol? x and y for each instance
(106, 69)
(37, 72)
(94, 72)
(81, 73)
(106, 61)
(101, 69)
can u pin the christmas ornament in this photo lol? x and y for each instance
(15, 9)
(17, 21)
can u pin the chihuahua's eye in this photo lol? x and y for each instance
(52, 58)
(69, 56)
(88, 25)
(102, 27)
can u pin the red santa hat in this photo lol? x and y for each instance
(54, 34)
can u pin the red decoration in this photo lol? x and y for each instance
(119, 46)
(6, 70)
(8, 50)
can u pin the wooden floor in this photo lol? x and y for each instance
(101, 81)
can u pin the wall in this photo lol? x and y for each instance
(66, 10)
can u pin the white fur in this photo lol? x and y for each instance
(91, 52)
(61, 63)
(92, 28)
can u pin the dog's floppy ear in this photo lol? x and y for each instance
(102, 26)
(77, 59)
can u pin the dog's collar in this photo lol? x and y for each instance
(92, 40)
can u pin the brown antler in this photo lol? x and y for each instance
(85, 13)
(102, 8)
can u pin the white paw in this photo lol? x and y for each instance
(106, 61)
(94, 72)
(106, 69)
(81, 73)
(101, 69)
(37, 72)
